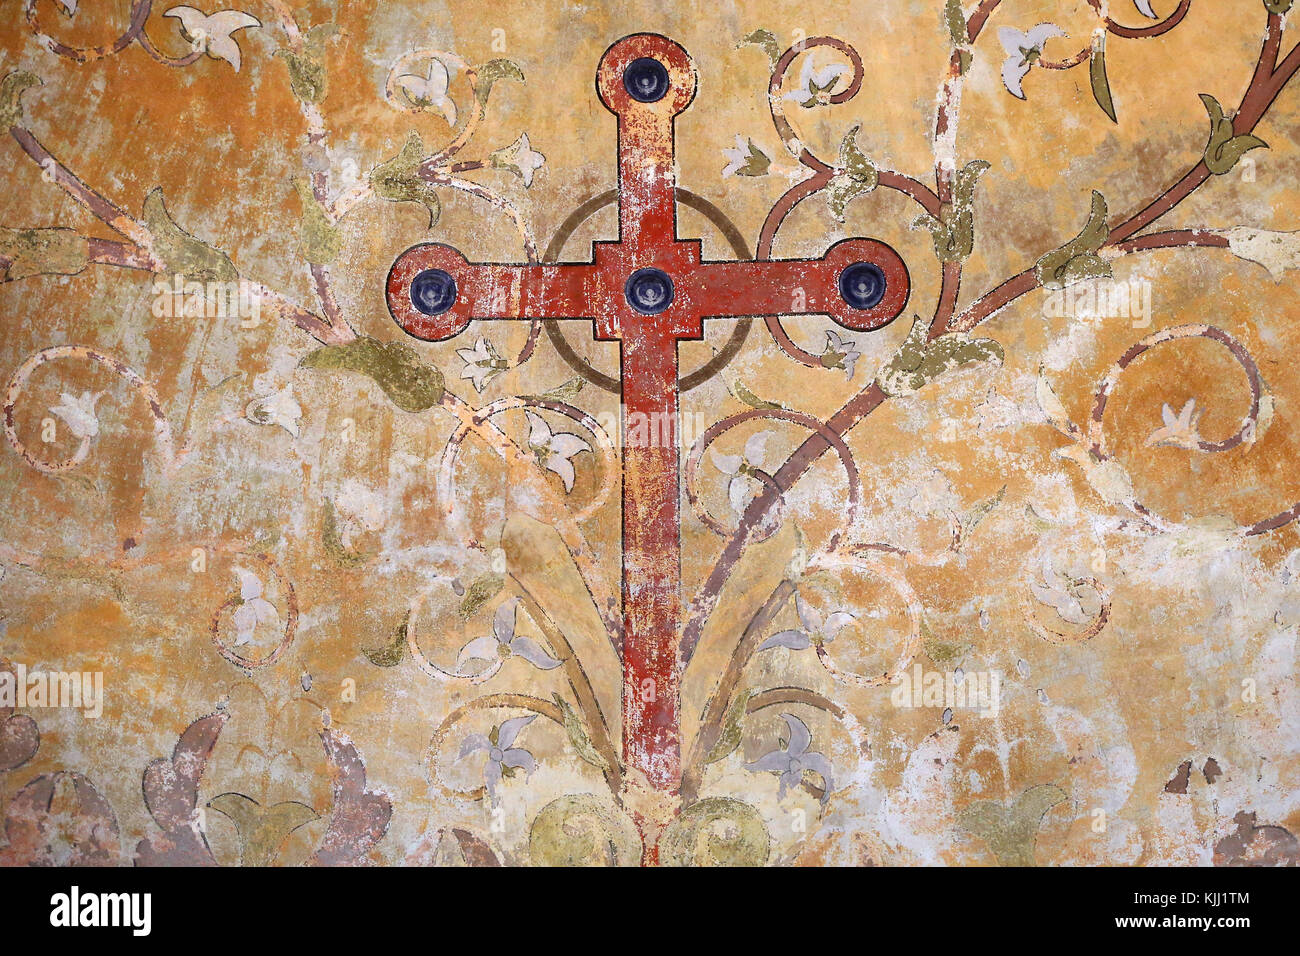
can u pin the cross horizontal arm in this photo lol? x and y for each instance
(483, 291)
(860, 283)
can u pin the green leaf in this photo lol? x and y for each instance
(733, 728)
(953, 232)
(857, 175)
(566, 392)
(955, 20)
(12, 88)
(34, 252)
(1278, 6)
(332, 541)
(489, 73)
(391, 654)
(766, 40)
(744, 395)
(1097, 74)
(918, 362)
(970, 521)
(1077, 260)
(307, 76)
(1010, 829)
(757, 162)
(398, 180)
(180, 252)
(1224, 150)
(480, 592)
(942, 652)
(396, 367)
(321, 239)
(578, 735)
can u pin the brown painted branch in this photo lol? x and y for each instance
(977, 19)
(588, 705)
(715, 710)
(1174, 238)
(101, 208)
(1145, 33)
(1265, 85)
(997, 299)
(922, 194)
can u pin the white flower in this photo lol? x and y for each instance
(431, 90)
(1074, 599)
(213, 33)
(359, 506)
(817, 630)
(932, 495)
(745, 160)
(254, 610)
(278, 408)
(840, 352)
(79, 413)
(482, 363)
(554, 450)
(503, 756)
(500, 644)
(997, 412)
(69, 7)
(1179, 431)
(1025, 50)
(520, 158)
(744, 485)
(793, 759)
(1144, 8)
(815, 85)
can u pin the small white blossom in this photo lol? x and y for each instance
(213, 34)
(254, 609)
(554, 450)
(1024, 49)
(430, 90)
(79, 413)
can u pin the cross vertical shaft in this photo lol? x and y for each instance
(647, 291)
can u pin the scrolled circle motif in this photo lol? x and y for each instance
(581, 830)
(717, 831)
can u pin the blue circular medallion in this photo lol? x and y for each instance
(433, 291)
(862, 285)
(649, 291)
(646, 80)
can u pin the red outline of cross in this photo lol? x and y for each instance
(594, 291)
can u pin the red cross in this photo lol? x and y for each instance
(646, 80)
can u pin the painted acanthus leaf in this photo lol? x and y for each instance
(1077, 260)
(856, 174)
(307, 76)
(12, 88)
(1098, 79)
(733, 727)
(767, 41)
(181, 253)
(953, 231)
(578, 735)
(398, 179)
(321, 240)
(1225, 149)
(43, 252)
(396, 367)
(1275, 251)
(487, 75)
(918, 362)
